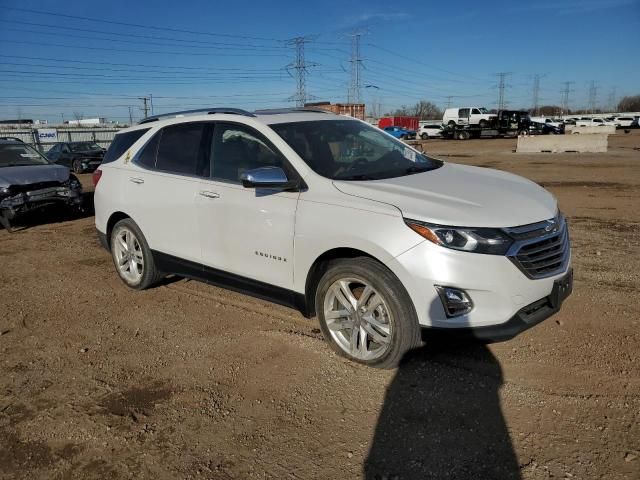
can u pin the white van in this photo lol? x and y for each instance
(479, 116)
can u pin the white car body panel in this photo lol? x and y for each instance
(465, 193)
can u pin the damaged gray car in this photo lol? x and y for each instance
(28, 181)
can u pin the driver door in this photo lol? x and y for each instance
(246, 231)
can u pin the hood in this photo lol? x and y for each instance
(32, 174)
(460, 195)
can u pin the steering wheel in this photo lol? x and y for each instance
(356, 163)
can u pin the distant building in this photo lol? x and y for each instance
(355, 110)
(85, 122)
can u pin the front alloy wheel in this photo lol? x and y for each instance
(365, 312)
(358, 319)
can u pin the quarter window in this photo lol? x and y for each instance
(121, 142)
(147, 156)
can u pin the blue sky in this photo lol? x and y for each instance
(55, 59)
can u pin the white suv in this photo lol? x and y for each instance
(337, 218)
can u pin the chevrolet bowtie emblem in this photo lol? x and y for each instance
(551, 226)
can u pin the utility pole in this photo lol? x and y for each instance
(145, 105)
(62, 115)
(449, 98)
(565, 97)
(300, 67)
(593, 96)
(501, 89)
(355, 85)
(536, 93)
(130, 116)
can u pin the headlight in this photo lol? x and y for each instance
(491, 241)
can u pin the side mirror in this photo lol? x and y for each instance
(267, 177)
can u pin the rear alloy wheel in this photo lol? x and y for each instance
(132, 257)
(365, 313)
(424, 136)
(77, 166)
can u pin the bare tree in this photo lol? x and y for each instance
(629, 104)
(424, 109)
(78, 116)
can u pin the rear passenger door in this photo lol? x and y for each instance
(246, 231)
(162, 184)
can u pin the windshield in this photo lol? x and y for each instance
(20, 154)
(84, 146)
(352, 150)
(483, 110)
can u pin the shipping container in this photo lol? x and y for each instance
(410, 123)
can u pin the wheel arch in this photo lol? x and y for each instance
(319, 267)
(114, 218)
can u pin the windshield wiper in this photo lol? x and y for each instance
(416, 169)
(357, 177)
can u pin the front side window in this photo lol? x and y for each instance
(483, 110)
(181, 149)
(237, 149)
(352, 150)
(20, 154)
(476, 111)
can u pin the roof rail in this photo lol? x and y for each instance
(276, 111)
(209, 111)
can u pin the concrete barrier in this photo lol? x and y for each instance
(563, 143)
(608, 129)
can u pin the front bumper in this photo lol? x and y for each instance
(20, 203)
(500, 292)
(524, 319)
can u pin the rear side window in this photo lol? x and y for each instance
(147, 156)
(121, 142)
(181, 150)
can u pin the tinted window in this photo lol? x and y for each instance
(180, 149)
(464, 112)
(121, 142)
(147, 157)
(237, 149)
(476, 111)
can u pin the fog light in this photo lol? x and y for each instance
(454, 300)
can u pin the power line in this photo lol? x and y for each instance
(133, 35)
(151, 27)
(300, 67)
(612, 99)
(111, 49)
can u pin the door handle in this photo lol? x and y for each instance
(207, 194)
(136, 180)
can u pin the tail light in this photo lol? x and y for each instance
(96, 177)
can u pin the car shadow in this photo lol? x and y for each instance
(442, 419)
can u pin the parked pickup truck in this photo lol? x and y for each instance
(593, 122)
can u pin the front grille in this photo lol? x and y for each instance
(542, 249)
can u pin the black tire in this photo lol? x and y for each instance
(76, 166)
(405, 330)
(150, 274)
(463, 135)
(424, 136)
(451, 124)
(483, 123)
(402, 137)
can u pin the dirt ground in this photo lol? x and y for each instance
(191, 381)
